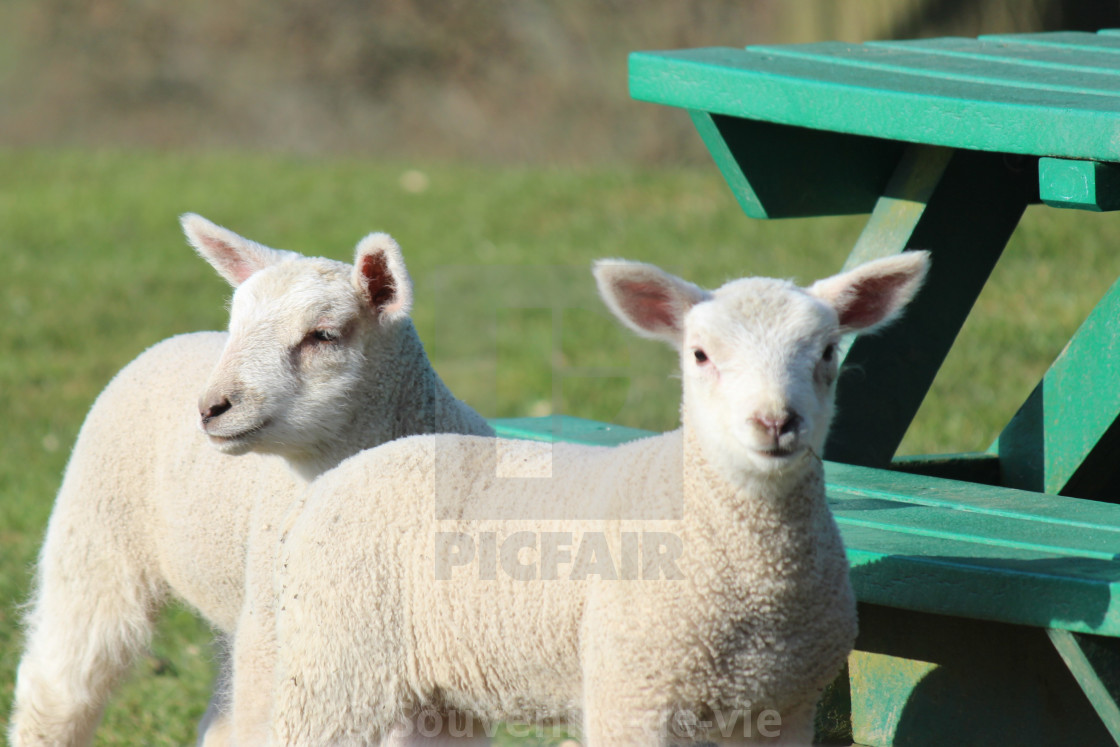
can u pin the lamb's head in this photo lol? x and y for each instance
(759, 356)
(301, 334)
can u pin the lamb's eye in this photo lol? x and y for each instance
(701, 356)
(322, 335)
(829, 352)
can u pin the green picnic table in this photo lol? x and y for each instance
(989, 583)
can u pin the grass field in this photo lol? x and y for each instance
(95, 270)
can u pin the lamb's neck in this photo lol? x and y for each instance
(307, 469)
(392, 390)
(402, 394)
(420, 402)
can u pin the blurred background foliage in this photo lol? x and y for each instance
(490, 80)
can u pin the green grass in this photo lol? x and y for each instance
(95, 270)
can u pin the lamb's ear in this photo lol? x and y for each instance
(647, 299)
(381, 277)
(873, 294)
(234, 257)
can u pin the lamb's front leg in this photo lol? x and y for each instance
(617, 710)
(254, 657)
(792, 727)
(216, 727)
(91, 617)
(622, 722)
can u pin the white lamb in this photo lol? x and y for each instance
(321, 361)
(687, 586)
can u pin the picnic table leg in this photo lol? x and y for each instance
(1065, 439)
(962, 206)
(1094, 662)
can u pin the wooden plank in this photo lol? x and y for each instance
(983, 582)
(1065, 438)
(901, 206)
(963, 207)
(1103, 42)
(729, 165)
(979, 551)
(1083, 185)
(567, 428)
(920, 490)
(776, 171)
(980, 69)
(794, 88)
(1095, 664)
(1036, 538)
(1020, 52)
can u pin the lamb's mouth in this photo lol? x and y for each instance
(779, 453)
(240, 436)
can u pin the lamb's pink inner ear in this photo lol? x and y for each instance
(380, 285)
(871, 300)
(648, 305)
(237, 267)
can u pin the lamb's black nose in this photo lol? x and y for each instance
(214, 409)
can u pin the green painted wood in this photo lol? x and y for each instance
(1017, 49)
(1002, 537)
(966, 94)
(1102, 43)
(728, 165)
(983, 582)
(984, 500)
(776, 171)
(1083, 185)
(1095, 664)
(982, 67)
(978, 551)
(963, 207)
(1065, 438)
(567, 428)
(926, 679)
(902, 204)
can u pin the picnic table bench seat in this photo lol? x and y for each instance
(988, 583)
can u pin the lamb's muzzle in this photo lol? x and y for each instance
(778, 431)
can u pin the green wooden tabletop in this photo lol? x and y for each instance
(1050, 94)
